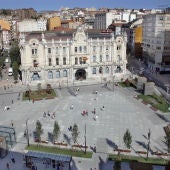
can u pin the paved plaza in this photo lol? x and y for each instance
(121, 111)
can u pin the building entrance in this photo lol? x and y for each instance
(80, 74)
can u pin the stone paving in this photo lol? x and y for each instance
(121, 111)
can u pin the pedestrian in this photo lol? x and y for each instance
(13, 160)
(94, 111)
(94, 148)
(33, 100)
(7, 165)
(44, 115)
(12, 124)
(71, 107)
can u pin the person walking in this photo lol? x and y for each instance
(12, 123)
(7, 165)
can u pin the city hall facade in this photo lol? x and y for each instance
(66, 58)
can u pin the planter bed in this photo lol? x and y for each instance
(141, 152)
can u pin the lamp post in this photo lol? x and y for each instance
(27, 135)
(85, 138)
(148, 146)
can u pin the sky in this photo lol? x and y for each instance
(57, 4)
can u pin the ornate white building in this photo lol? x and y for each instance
(67, 58)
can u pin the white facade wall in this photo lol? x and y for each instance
(32, 25)
(106, 58)
(126, 16)
(103, 20)
(156, 38)
(132, 17)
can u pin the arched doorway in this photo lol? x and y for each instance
(80, 74)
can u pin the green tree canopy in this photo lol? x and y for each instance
(75, 133)
(39, 130)
(127, 138)
(56, 131)
(14, 53)
(15, 70)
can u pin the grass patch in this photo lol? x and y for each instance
(39, 94)
(156, 101)
(128, 158)
(56, 150)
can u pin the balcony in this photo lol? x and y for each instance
(79, 66)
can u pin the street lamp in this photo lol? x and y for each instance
(27, 135)
(85, 138)
(148, 146)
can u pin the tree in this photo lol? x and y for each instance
(14, 53)
(75, 132)
(39, 130)
(56, 131)
(15, 70)
(127, 138)
(167, 140)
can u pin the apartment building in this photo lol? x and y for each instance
(65, 58)
(103, 20)
(53, 23)
(29, 25)
(156, 41)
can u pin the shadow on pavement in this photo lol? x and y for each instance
(67, 138)
(112, 144)
(142, 144)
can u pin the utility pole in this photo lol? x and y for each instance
(27, 135)
(85, 139)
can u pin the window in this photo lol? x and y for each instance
(34, 51)
(80, 60)
(119, 58)
(50, 75)
(101, 58)
(80, 49)
(35, 76)
(107, 69)
(64, 73)
(57, 74)
(49, 62)
(85, 48)
(49, 50)
(94, 59)
(57, 61)
(94, 70)
(57, 50)
(76, 60)
(75, 49)
(100, 70)
(64, 61)
(118, 47)
(118, 69)
(94, 48)
(64, 50)
(100, 48)
(107, 57)
(35, 63)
